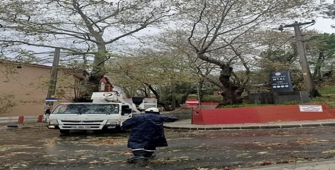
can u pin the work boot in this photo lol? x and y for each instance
(152, 156)
(149, 155)
(137, 159)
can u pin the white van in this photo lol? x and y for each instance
(88, 116)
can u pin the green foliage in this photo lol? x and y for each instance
(291, 103)
(164, 72)
(205, 98)
(82, 29)
(328, 9)
(256, 105)
(281, 54)
(327, 90)
(321, 52)
(325, 99)
(243, 105)
(212, 98)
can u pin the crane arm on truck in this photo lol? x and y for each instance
(102, 97)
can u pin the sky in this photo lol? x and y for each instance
(323, 25)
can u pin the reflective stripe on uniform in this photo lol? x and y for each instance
(149, 150)
(140, 149)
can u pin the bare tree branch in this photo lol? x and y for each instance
(142, 26)
(195, 25)
(216, 33)
(74, 52)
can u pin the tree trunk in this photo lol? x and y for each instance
(98, 70)
(232, 94)
(166, 107)
(201, 94)
(184, 97)
(145, 91)
(317, 70)
(173, 98)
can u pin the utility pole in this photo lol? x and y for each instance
(198, 93)
(53, 77)
(302, 56)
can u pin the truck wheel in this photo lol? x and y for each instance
(118, 128)
(64, 132)
(98, 131)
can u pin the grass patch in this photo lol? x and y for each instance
(327, 96)
(257, 105)
(327, 90)
(325, 99)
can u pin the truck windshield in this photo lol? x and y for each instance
(87, 109)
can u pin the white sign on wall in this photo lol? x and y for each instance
(310, 108)
(102, 86)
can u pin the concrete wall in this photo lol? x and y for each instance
(29, 86)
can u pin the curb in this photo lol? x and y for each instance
(279, 126)
(317, 164)
(21, 119)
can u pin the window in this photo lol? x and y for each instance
(87, 109)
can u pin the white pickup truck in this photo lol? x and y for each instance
(107, 111)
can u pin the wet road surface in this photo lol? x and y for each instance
(39, 148)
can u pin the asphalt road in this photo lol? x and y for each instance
(39, 148)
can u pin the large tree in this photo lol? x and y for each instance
(151, 72)
(175, 41)
(278, 54)
(327, 9)
(85, 28)
(322, 52)
(219, 27)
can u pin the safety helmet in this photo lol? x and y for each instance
(152, 110)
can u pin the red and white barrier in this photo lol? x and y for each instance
(22, 119)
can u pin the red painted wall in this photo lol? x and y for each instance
(258, 115)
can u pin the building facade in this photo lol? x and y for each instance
(24, 87)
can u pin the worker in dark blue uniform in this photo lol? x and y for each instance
(147, 133)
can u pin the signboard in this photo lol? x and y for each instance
(310, 108)
(51, 99)
(281, 81)
(102, 86)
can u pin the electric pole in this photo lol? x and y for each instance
(302, 56)
(53, 77)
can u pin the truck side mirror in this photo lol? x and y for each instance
(127, 110)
